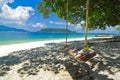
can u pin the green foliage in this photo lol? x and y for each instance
(118, 28)
(55, 30)
(102, 12)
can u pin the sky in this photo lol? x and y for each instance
(23, 14)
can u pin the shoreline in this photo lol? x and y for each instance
(6, 49)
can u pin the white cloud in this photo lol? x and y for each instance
(40, 25)
(58, 23)
(2, 2)
(80, 25)
(77, 26)
(18, 15)
(70, 24)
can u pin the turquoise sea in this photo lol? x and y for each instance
(21, 37)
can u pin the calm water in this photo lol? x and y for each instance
(20, 37)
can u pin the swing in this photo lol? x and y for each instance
(86, 53)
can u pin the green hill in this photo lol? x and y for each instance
(5, 28)
(59, 30)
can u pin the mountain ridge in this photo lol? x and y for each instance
(6, 28)
(55, 30)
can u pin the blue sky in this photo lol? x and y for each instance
(23, 14)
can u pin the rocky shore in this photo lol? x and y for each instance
(49, 63)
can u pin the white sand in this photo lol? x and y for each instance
(99, 65)
(6, 49)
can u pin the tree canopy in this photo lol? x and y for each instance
(102, 13)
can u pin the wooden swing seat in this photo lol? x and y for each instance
(82, 56)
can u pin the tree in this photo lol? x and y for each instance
(102, 12)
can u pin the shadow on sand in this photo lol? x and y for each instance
(50, 59)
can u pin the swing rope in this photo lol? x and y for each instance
(86, 26)
(67, 25)
(85, 54)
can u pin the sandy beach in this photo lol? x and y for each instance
(45, 61)
(6, 49)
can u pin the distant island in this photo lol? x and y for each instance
(5, 28)
(59, 30)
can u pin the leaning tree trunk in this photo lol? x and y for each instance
(86, 25)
